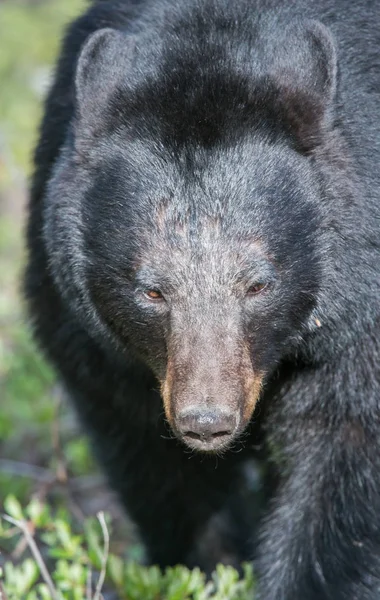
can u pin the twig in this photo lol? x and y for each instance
(106, 537)
(61, 469)
(89, 584)
(3, 595)
(25, 470)
(21, 469)
(36, 554)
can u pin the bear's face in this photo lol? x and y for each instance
(197, 211)
(208, 269)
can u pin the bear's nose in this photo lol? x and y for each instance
(206, 430)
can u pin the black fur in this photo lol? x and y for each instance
(199, 148)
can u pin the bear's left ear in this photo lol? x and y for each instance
(102, 69)
(303, 67)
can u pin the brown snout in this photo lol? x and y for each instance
(209, 400)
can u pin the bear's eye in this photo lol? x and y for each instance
(256, 288)
(153, 294)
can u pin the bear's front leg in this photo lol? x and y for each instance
(321, 538)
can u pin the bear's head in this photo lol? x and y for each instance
(196, 212)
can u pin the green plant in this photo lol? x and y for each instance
(67, 565)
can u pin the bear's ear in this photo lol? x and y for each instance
(101, 69)
(303, 67)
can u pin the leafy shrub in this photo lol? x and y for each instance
(66, 565)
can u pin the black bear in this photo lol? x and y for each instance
(204, 273)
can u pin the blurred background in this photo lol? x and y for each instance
(41, 451)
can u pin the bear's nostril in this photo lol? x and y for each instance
(192, 435)
(221, 434)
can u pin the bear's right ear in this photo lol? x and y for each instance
(303, 66)
(102, 67)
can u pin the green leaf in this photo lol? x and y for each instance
(13, 508)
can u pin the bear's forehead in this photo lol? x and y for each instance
(194, 182)
(191, 251)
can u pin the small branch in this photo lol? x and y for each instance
(23, 526)
(61, 469)
(88, 585)
(3, 595)
(21, 469)
(106, 537)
